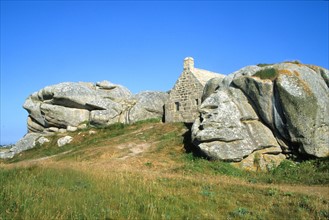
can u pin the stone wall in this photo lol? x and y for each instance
(184, 99)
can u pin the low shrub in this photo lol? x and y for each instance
(267, 73)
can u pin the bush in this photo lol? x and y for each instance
(312, 172)
(264, 64)
(201, 165)
(307, 172)
(267, 73)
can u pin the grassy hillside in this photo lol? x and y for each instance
(143, 171)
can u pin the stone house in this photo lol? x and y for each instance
(185, 97)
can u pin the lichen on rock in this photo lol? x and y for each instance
(287, 106)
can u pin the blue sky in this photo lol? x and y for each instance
(141, 45)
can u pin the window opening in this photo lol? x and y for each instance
(177, 106)
(197, 101)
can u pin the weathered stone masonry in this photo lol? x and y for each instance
(185, 97)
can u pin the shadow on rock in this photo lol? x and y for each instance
(189, 146)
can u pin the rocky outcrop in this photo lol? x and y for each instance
(262, 160)
(70, 106)
(254, 117)
(148, 105)
(7, 154)
(229, 128)
(27, 142)
(294, 103)
(257, 109)
(211, 86)
(73, 104)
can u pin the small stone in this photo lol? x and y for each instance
(82, 126)
(64, 140)
(92, 132)
(106, 85)
(43, 140)
(53, 129)
(62, 130)
(71, 128)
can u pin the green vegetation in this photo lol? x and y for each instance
(98, 176)
(267, 73)
(270, 64)
(264, 64)
(50, 193)
(293, 62)
(83, 139)
(312, 172)
(193, 165)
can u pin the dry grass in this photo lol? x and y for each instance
(86, 191)
(142, 172)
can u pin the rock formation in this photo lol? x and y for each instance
(27, 142)
(148, 105)
(73, 105)
(281, 108)
(254, 117)
(70, 106)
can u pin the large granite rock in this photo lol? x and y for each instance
(229, 128)
(62, 117)
(148, 105)
(211, 86)
(304, 99)
(294, 103)
(27, 142)
(254, 114)
(70, 106)
(256, 109)
(260, 93)
(83, 95)
(262, 160)
(104, 117)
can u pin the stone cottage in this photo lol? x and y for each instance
(185, 97)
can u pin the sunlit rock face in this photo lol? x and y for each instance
(283, 108)
(72, 105)
(229, 128)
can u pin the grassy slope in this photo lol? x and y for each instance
(142, 172)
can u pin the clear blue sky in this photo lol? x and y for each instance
(141, 45)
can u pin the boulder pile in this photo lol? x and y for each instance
(71, 106)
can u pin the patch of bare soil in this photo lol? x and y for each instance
(134, 149)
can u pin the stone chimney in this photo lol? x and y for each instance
(188, 63)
